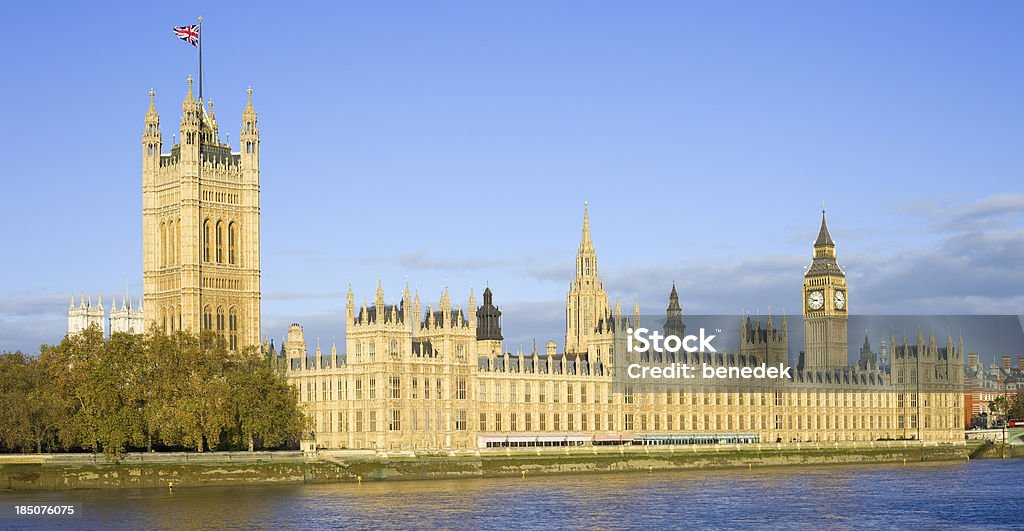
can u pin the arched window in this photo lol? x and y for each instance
(170, 243)
(220, 321)
(163, 245)
(163, 318)
(232, 238)
(207, 318)
(206, 241)
(177, 242)
(233, 329)
(220, 242)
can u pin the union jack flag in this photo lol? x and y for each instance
(189, 34)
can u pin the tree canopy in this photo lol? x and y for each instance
(150, 391)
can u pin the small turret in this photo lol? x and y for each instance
(249, 142)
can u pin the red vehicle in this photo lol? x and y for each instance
(1015, 423)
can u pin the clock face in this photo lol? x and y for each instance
(815, 300)
(840, 300)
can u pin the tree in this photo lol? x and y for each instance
(15, 428)
(1016, 408)
(141, 391)
(266, 406)
(999, 406)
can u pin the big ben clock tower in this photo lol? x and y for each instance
(825, 307)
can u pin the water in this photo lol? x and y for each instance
(978, 495)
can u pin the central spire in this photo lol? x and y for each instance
(585, 242)
(824, 238)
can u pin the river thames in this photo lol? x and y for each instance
(979, 494)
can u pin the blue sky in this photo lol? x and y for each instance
(456, 142)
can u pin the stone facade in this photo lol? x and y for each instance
(431, 378)
(125, 319)
(201, 225)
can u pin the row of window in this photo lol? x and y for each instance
(219, 247)
(224, 324)
(327, 391)
(370, 351)
(220, 242)
(495, 392)
(512, 422)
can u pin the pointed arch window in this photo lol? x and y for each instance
(233, 329)
(163, 245)
(206, 241)
(220, 322)
(232, 239)
(220, 242)
(169, 260)
(176, 251)
(207, 318)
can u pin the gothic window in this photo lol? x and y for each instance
(177, 242)
(163, 318)
(163, 246)
(220, 321)
(207, 318)
(220, 242)
(394, 349)
(206, 240)
(231, 242)
(170, 242)
(233, 329)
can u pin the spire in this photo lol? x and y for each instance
(151, 114)
(673, 299)
(249, 113)
(189, 98)
(824, 238)
(585, 242)
(446, 301)
(72, 307)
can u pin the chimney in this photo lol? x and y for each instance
(1020, 362)
(972, 360)
(1006, 362)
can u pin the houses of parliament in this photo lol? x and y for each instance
(421, 374)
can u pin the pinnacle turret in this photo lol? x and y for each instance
(824, 238)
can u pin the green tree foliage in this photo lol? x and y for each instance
(999, 406)
(1016, 410)
(134, 392)
(28, 417)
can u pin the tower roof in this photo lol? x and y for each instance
(824, 262)
(151, 114)
(824, 238)
(673, 299)
(585, 242)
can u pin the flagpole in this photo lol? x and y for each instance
(199, 170)
(200, 60)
